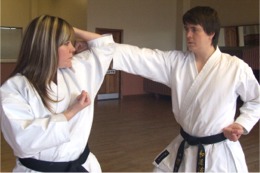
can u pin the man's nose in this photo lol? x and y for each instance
(188, 33)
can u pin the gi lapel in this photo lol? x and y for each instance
(195, 87)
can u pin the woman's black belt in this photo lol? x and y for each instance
(199, 141)
(46, 166)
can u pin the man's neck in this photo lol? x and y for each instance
(202, 57)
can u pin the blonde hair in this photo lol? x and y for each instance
(38, 57)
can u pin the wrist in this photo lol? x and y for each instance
(85, 35)
(68, 114)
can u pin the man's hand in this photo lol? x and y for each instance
(233, 132)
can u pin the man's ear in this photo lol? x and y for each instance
(211, 35)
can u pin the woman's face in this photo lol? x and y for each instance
(65, 53)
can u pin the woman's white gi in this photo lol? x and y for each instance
(202, 103)
(33, 131)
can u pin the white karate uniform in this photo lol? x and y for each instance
(203, 103)
(33, 131)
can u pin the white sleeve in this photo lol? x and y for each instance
(24, 132)
(249, 91)
(96, 62)
(148, 63)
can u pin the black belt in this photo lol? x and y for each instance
(46, 166)
(199, 141)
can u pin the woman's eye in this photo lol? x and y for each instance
(67, 43)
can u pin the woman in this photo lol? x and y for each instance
(47, 102)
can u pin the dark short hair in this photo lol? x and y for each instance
(207, 17)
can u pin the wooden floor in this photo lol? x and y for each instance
(127, 134)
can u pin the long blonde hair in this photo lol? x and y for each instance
(38, 57)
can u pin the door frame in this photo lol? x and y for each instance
(118, 38)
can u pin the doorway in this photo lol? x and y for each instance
(110, 88)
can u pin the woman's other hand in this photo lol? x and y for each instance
(82, 101)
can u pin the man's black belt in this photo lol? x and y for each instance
(46, 166)
(199, 141)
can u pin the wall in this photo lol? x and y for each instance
(74, 11)
(233, 12)
(18, 13)
(152, 20)
(158, 24)
(15, 12)
(144, 23)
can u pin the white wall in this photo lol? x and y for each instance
(145, 23)
(158, 23)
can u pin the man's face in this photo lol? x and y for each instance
(197, 38)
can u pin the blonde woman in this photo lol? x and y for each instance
(48, 101)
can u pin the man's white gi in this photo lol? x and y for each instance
(33, 131)
(203, 103)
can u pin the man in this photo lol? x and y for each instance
(205, 84)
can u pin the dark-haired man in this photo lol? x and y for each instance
(205, 84)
